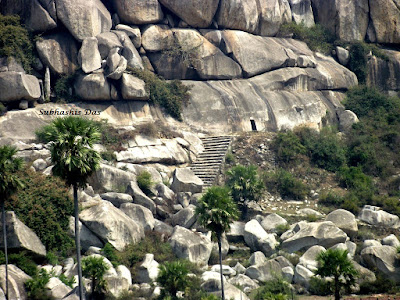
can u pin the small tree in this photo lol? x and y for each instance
(95, 268)
(72, 139)
(9, 184)
(335, 263)
(173, 277)
(216, 211)
(245, 184)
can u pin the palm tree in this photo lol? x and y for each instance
(74, 160)
(9, 184)
(95, 268)
(335, 263)
(216, 210)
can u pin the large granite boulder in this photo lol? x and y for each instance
(303, 235)
(106, 42)
(89, 56)
(118, 281)
(185, 217)
(139, 197)
(133, 88)
(347, 19)
(208, 60)
(244, 282)
(93, 87)
(109, 178)
(56, 289)
(140, 214)
(20, 236)
(38, 19)
(157, 38)
(267, 54)
(272, 221)
(258, 239)
(302, 12)
(383, 258)
(133, 33)
(129, 51)
(88, 238)
(240, 15)
(16, 86)
(117, 199)
(185, 180)
(84, 18)
(138, 12)
(302, 275)
(236, 232)
(273, 14)
(16, 282)
(385, 21)
(375, 216)
(384, 73)
(189, 245)
(309, 258)
(148, 270)
(193, 12)
(344, 220)
(265, 271)
(112, 225)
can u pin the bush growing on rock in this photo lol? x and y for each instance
(15, 41)
(171, 95)
(35, 287)
(286, 184)
(288, 147)
(145, 182)
(275, 289)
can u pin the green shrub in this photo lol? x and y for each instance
(275, 289)
(288, 147)
(244, 183)
(44, 206)
(353, 178)
(108, 156)
(173, 277)
(63, 88)
(23, 260)
(147, 129)
(281, 228)
(15, 41)
(171, 95)
(381, 285)
(286, 184)
(110, 253)
(35, 287)
(132, 255)
(94, 268)
(331, 199)
(3, 109)
(145, 182)
(320, 287)
(67, 281)
(316, 37)
(229, 158)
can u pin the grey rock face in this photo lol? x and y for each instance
(138, 12)
(302, 12)
(133, 33)
(139, 197)
(15, 86)
(304, 235)
(257, 239)
(20, 236)
(112, 225)
(133, 88)
(38, 19)
(89, 56)
(109, 178)
(117, 199)
(17, 279)
(84, 18)
(345, 220)
(88, 239)
(236, 232)
(106, 42)
(270, 222)
(57, 289)
(193, 12)
(148, 270)
(185, 217)
(265, 271)
(346, 120)
(186, 181)
(385, 21)
(343, 55)
(383, 258)
(189, 245)
(391, 240)
(139, 214)
(93, 87)
(375, 216)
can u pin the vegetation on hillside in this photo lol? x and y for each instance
(15, 41)
(170, 95)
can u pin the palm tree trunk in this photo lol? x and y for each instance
(337, 289)
(220, 266)
(3, 214)
(78, 242)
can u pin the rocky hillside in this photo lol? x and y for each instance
(231, 66)
(227, 51)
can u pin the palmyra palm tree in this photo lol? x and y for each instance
(72, 139)
(216, 210)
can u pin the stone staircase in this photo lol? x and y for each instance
(209, 162)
